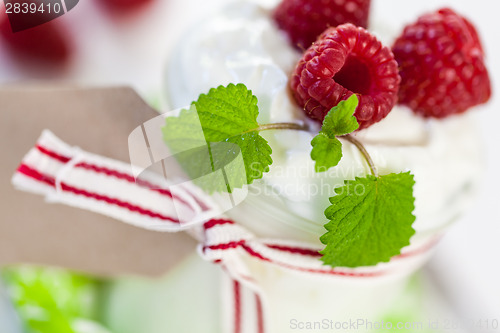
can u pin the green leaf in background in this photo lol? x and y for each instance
(327, 149)
(370, 220)
(219, 132)
(50, 300)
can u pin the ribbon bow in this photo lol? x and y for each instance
(69, 175)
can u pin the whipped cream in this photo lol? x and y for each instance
(242, 45)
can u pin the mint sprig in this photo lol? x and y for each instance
(218, 144)
(370, 220)
(327, 149)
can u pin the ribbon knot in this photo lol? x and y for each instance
(71, 176)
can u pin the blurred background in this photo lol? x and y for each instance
(128, 42)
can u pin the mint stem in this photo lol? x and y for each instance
(348, 137)
(363, 152)
(282, 126)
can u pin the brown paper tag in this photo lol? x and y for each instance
(98, 120)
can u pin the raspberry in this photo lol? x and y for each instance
(347, 60)
(441, 65)
(304, 20)
(46, 43)
(124, 6)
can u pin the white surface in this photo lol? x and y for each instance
(134, 52)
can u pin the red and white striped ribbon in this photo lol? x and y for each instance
(71, 176)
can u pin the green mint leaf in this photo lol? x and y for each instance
(340, 120)
(327, 149)
(326, 152)
(216, 140)
(370, 220)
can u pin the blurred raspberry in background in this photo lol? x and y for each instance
(42, 43)
(35, 35)
(123, 6)
(47, 43)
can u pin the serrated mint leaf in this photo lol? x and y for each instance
(327, 149)
(370, 220)
(340, 120)
(216, 140)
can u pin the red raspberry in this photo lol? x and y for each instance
(347, 60)
(441, 65)
(305, 20)
(124, 6)
(46, 43)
